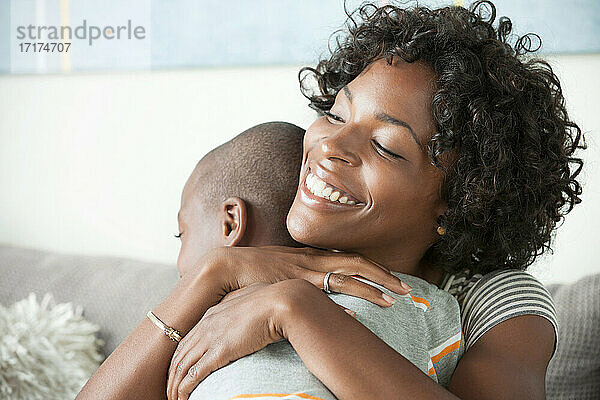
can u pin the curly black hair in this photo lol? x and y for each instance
(500, 110)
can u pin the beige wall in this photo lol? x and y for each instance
(95, 163)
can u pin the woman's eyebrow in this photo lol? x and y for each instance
(383, 117)
(347, 93)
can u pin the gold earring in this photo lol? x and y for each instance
(441, 230)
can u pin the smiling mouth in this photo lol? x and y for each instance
(322, 189)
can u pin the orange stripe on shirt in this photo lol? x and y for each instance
(258, 395)
(446, 350)
(420, 300)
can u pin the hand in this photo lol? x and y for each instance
(244, 322)
(237, 267)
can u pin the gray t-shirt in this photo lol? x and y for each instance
(424, 326)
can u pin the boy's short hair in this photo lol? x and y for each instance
(261, 166)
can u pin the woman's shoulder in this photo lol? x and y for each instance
(489, 299)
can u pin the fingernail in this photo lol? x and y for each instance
(406, 286)
(388, 298)
(352, 313)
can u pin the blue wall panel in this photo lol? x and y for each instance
(207, 33)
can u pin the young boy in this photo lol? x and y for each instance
(239, 195)
(240, 192)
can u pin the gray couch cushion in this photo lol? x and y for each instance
(115, 293)
(574, 371)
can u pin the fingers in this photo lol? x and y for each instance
(187, 349)
(181, 369)
(186, 372)
(243, 291)
(354, 264)
(348, 311)
(341, 283)
(208, 363)
(295, 250)
(309, 260)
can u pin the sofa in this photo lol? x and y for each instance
(115, 293)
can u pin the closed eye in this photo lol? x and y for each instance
(380, 149)
(330, 116)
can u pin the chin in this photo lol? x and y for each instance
(295, 228)
(301, 229)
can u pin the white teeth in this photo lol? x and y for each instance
(320, 185)
(319, 188)
(309, 183)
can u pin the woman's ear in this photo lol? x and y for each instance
(234, 219)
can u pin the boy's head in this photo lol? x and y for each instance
(239, 193)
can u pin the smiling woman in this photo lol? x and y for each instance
(361, 149)
(499, 111)
(443, 154)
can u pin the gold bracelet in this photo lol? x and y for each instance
(173, 334)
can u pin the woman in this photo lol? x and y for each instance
(456, 153)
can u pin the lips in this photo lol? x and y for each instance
(321, 183)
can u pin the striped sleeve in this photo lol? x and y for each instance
(502, 295)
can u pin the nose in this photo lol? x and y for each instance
(341, 145)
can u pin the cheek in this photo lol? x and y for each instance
(188, 256)
(315, 131)
(398, 194)
(181, 265)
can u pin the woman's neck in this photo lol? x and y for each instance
(415, 266)
(431, 274)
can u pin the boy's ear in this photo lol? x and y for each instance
(234, 219)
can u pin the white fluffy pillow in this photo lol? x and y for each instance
(47, 350)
